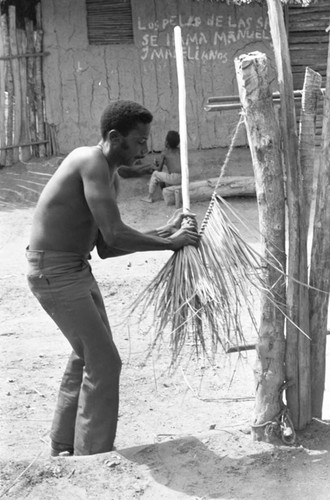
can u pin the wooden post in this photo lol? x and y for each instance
(182, 119)
(10, 90)
(39, 91)
(307, 131)
(16, 80)
(30, 84)
(264, 141)
(3, 73)
(25, 135)
(320, 262)
(297, 358)
(311, 89)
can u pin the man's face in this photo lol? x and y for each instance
(134, 146)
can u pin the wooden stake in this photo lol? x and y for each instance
(182, 119)
(297, 357)
(17, 81)
(10, 90)
(307, 131)
(3, 74)
(264, 141)
(30, 85)
(25, 135)
(320, 262)
(39, 93)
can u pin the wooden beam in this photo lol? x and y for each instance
(26, 55)
(35, 143)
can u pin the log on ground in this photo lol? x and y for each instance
(203, 190)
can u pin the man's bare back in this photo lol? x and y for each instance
(172, 160)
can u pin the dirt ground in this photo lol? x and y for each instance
(180, 436)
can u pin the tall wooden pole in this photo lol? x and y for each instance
(297, 357)
(264, 141)
(10, 89)
(182, 119)
(31, 111)
(3, 76)
(39, 90)
(25, 135)
(17, 81)
(320, 262)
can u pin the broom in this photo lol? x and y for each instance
(182, 291)
(198, 295)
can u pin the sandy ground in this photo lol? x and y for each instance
(180, 436)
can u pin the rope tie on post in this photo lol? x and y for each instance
(222, 174)
(281, 423)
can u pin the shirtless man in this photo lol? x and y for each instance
(77, 211)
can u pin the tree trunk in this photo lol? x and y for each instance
(297, 359)
(264, 141)
(320, 262)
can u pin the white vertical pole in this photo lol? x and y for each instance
(182, 120)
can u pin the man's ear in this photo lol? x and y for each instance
(114, 136)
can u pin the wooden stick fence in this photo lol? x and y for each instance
(23, 131)
(230, 102)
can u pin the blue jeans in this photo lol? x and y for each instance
(86, 413)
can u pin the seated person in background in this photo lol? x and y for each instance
(170, 162)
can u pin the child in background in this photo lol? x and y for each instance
(168, 169)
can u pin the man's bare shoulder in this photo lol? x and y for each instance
(83, 164)
(82, 157)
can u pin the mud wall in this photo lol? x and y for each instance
(80, 78)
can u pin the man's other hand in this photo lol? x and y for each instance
(176, 220)
(184, 237)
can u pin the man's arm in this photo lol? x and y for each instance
(173, 225)
(100, 197)
(105, 251)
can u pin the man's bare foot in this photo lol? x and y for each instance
(148, 199)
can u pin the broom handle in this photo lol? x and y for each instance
(182, 121)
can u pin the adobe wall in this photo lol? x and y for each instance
(80, 78)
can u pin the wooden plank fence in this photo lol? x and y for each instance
(24, 132)
(308, 45)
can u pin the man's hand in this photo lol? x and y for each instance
(184, 237)
(175, 221)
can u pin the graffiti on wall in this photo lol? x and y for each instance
(203, 38)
